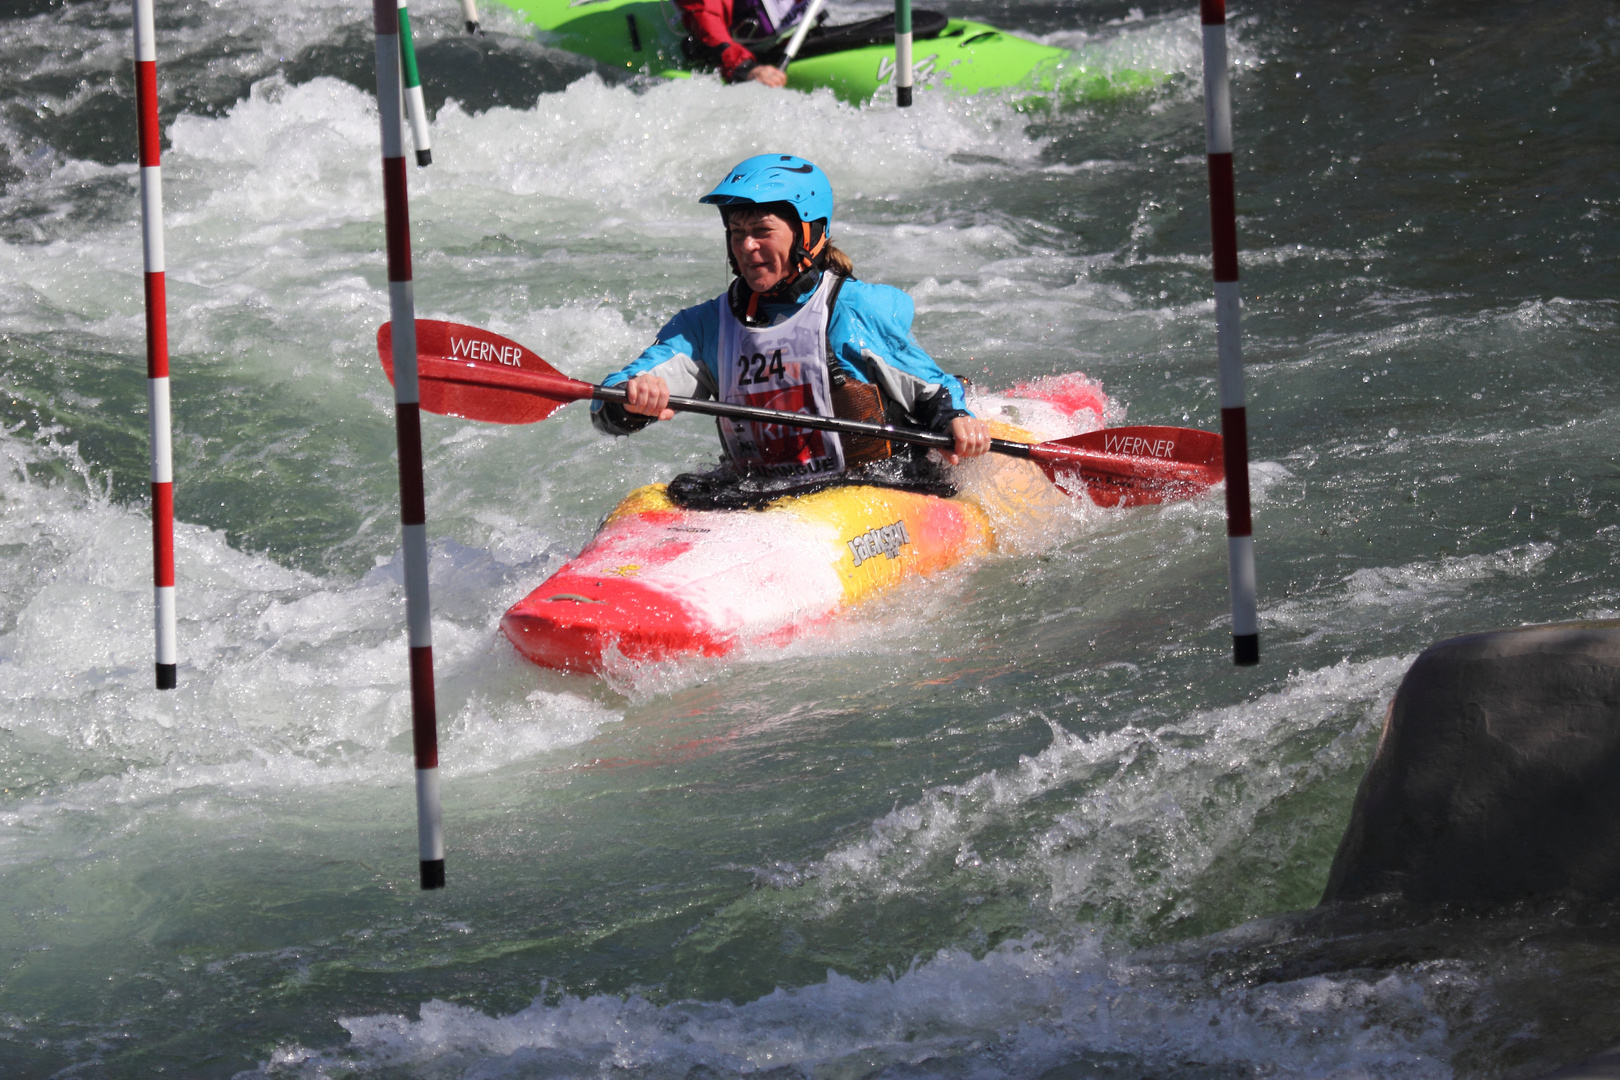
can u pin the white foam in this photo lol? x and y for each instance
(1170, 44)
(1374, 597)
(1017, 1012)
(287, 680)
(1133, 797)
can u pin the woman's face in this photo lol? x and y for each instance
(762, 244)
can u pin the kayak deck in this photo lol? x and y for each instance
(660, 582)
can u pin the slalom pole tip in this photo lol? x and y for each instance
(1245, 649)
(168, 677)
(432, 874)
(902, 96)
(424, 158)
(473, 27)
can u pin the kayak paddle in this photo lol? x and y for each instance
(797, 40)
(478, 375)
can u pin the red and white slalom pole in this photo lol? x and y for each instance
(1229, 334)
(157, 345)
(408, 426)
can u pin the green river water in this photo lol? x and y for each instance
(1022, 820)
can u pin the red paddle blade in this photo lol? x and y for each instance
(1135, 466)
(472, 373)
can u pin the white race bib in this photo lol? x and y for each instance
(780, 367)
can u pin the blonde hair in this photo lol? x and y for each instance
(833, 257)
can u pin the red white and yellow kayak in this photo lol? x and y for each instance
(660, 582)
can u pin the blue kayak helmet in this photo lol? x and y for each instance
(780, 181)
(777, 178)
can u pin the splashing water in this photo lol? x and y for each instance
(1021, 820)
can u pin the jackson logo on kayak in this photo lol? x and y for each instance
(509, 355)
(1135, 444)
(885, 540)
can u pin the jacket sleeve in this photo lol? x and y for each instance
(871, 336)
(685, 355)
(709, 23)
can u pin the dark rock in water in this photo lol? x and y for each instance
(1497, 776)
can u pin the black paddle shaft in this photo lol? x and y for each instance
(818, 423)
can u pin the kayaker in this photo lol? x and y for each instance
(797, 331)
(731, 35)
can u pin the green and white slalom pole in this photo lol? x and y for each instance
(408, 431)
(413, 89)
(1228, 334)
(902, 53)
(469, 13)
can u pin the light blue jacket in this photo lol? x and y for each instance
(870, 336)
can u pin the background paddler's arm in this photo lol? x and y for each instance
(708, 21)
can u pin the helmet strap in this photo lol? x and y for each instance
(805, 256)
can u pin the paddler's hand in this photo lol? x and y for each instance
(648, 395)
(972, 437)
(770, 76)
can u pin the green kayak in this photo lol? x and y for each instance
(854, 61)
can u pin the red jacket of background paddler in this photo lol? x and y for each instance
(709, 21)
